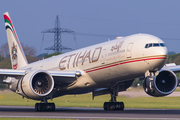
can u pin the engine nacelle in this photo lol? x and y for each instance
(37, 84)
(161, 85)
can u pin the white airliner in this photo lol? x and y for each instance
(105, 68)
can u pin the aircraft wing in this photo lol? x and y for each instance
(172, 66)
(4, 73)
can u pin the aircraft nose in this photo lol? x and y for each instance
(161, 51)
(164, 51)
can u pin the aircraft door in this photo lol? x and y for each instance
(104, 56)
(129, 50)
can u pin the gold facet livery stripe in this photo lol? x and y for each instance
(126, 62)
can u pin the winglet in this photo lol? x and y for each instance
(18, 58)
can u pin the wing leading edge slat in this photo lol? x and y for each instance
(173, 67)
(18, 73)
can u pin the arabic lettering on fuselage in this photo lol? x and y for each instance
(117, 46)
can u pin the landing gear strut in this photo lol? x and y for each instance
(148, 84)
(45, 106)
(113, 104)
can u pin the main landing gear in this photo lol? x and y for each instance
(45, 106)
(113, 104)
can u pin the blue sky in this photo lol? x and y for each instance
(103, 17)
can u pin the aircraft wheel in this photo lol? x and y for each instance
(114, 106)
(45, 107)
(105, 105)
(36, 107)
(121, 104)
(50, 107)
(53, 107)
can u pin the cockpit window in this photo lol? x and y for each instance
(162, 44)
(150, 45)
(154, 45)
(147, 45)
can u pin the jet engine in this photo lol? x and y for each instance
(37, 84)
(161, 85)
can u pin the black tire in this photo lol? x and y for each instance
(112, 106)
(36, 107)
(121, 106)
(118, 106)
(45, 107)
(105, 105)
(41, 107)
(53, 107)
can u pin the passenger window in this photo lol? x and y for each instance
(155, 45)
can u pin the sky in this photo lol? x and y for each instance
(100, 20)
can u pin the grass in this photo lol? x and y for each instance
(177, 89)
(85, 100)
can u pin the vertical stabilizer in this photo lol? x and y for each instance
(18, 58)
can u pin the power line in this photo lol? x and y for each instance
(119, 20)
(170, 39)
(105, 35)
(57, 30)
(95, 35)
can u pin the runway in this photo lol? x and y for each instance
(88, 113)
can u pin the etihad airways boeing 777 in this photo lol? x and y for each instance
(105, 68)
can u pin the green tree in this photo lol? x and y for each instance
(5, 62)
(175, 58)
(137, 81)
(53, 54)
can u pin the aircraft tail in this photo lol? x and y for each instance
(18, 58)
